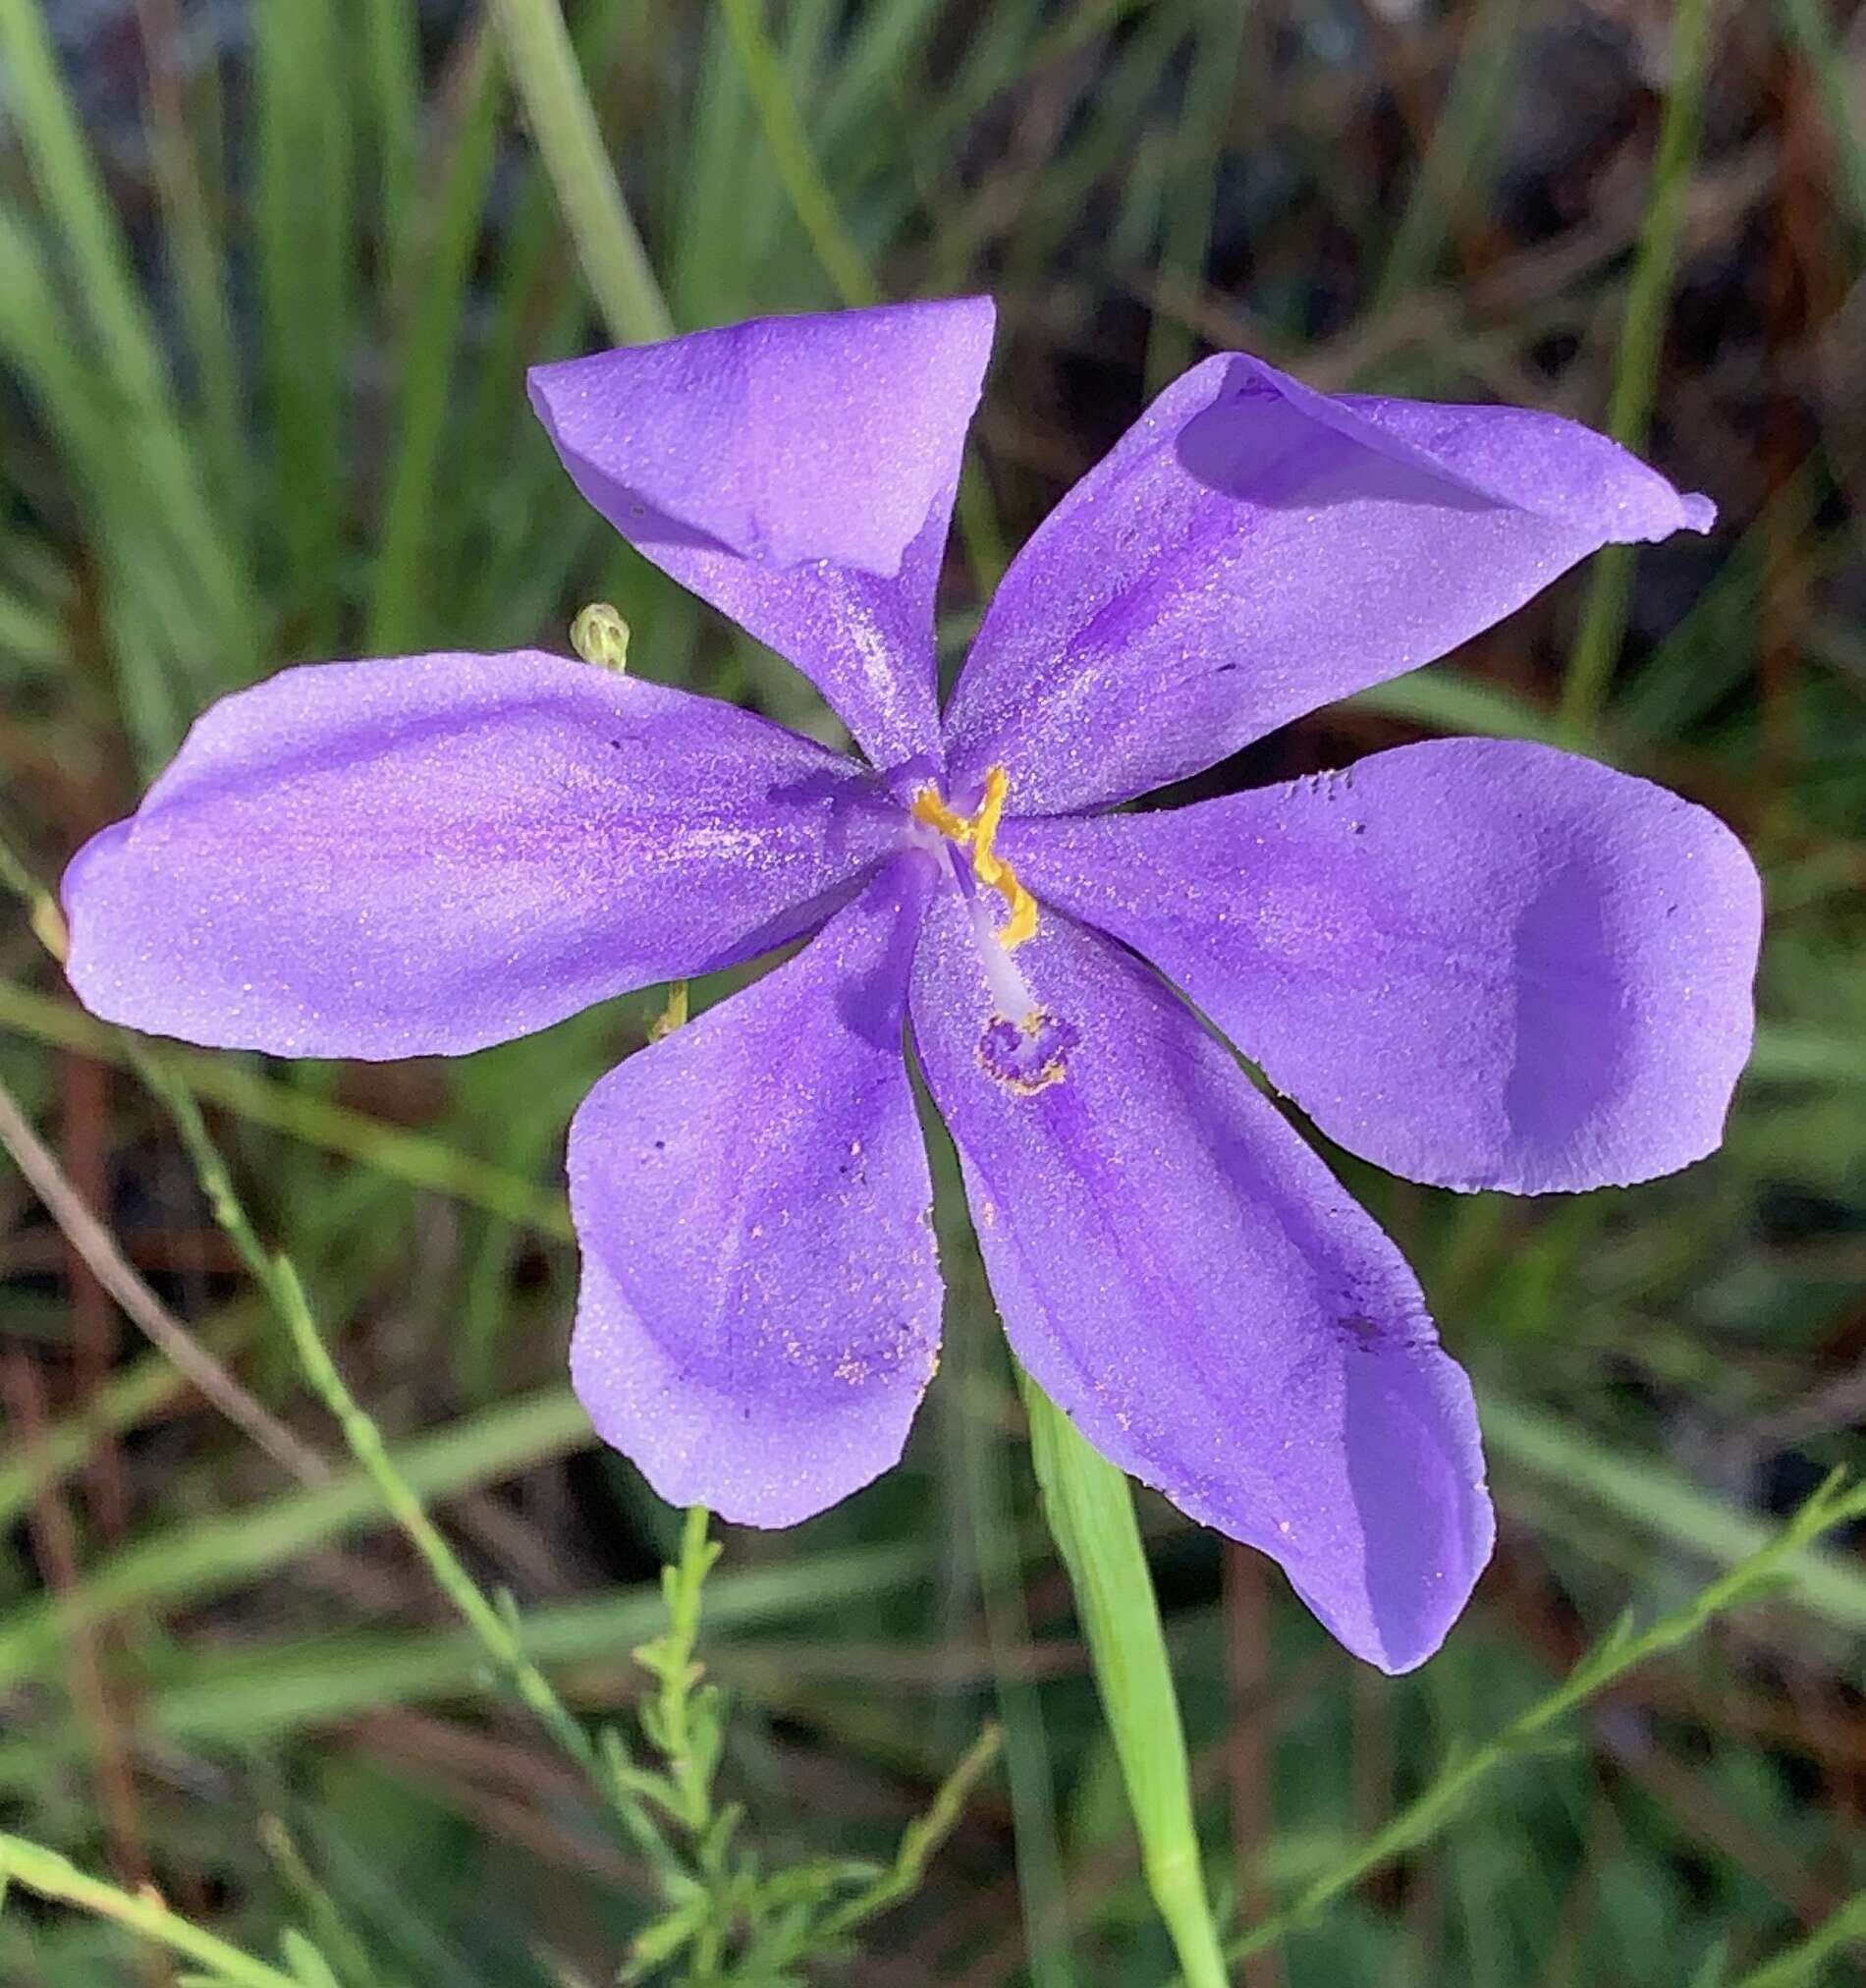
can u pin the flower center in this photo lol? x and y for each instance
(977, 833)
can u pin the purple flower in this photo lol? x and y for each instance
(1479, 964)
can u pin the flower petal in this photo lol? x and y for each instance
(1252, 550)
(798, 472)
(1190, 1284)
(425, 855)
(760, 1305)
(1474, 961)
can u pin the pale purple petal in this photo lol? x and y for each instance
(1252, 550)
(425, 856)
(1190, 1284)
(798, 472)
(1476, 962)
(760, 1304)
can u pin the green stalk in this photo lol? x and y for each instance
(564, 125)
(497, 1629)
(51, 1876)
(1091, 1514)
(1637, 367)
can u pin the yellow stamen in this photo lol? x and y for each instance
(929, 808)
(993, 871)
(978, 833)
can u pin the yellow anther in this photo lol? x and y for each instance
(1023, 921)
(991, 811)
(929, 808)
(979, 833)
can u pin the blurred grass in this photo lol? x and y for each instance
(269, 278)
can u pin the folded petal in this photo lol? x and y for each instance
(797, 473)
(1252, 550)
(425, 855)
(760, 1304)
(1190, 1284)
(1476, 962)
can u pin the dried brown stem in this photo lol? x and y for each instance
(113, 1270)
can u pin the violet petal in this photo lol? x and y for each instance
(1188, 1283)
(1252, 550)
(798, 472)
(425, 856)
(761, 1302)
(1476, 962)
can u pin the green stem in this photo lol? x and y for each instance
(922, 1838)
(1092, 1514)
(564, 124)
(51, 1876)
(494, 1627)
(1637, 367)
(682, 1586)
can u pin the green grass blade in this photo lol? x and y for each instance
(167, 486)
(1445, 701)
(1656, 1499)
(1622, 1650)
(438, 280)
(564, 127)
(418, 1158)
(790, 147)
(259, 1695)
(1457, 165)
(196, 252)
(204, 1557)
(1089, 1505)
(305, 250)
(133, 1394)
(1213, 71)
(1637, 369)
(149, 600)
(1029, 1773)
(392, 78)
(143, 1913)
(1811, 27)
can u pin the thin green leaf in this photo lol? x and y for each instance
(1090, 1510)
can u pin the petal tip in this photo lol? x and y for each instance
(784, 441)
(1700, 513)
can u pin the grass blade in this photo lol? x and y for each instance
(1090, 1509)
